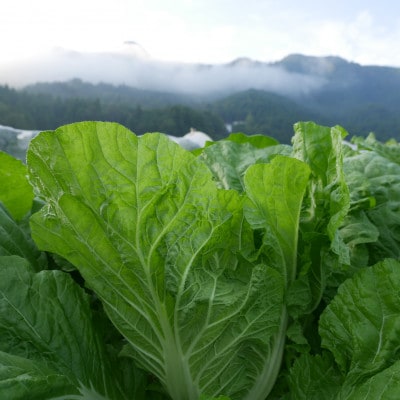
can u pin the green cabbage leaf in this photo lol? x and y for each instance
(193, 276)
(50, 345)
(360, 331)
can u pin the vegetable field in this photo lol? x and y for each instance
(133, 269)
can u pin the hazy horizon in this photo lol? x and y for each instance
(141, 72)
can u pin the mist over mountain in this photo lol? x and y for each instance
(347, 83)
(134, 68)
(323, 81)
(130, 87)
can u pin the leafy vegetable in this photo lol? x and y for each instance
(15, 239)
(49, 342)
(242, 271)
(16, 202)
(389, 150)
(152, 235)
(279, 221)
(372, 226)
(321, 148)
(360, 327)
(322, 251)
(229, 159)
(15, 193)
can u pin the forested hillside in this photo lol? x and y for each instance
(115, 94)
(41, 111)
(257, 111)
(361, 98)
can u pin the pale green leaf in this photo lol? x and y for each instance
(22, 378)
(274, 197)
(361, 326)
(16, 193)
(45, 319)
(143, 221)
(374, 183)
(361, 330)
(275, 192)
(314, 378)
(15, 239)
(229, 159)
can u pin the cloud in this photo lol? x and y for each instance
(363, 37)
(135, 68)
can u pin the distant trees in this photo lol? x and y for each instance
(39, 111)
(50, 105)
(260, 112)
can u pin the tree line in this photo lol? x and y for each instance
(50, 105)
(39, 111)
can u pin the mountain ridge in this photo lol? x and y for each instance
(329, 90)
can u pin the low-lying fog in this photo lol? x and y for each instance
(130, 68)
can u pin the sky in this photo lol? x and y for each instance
(205, 31)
